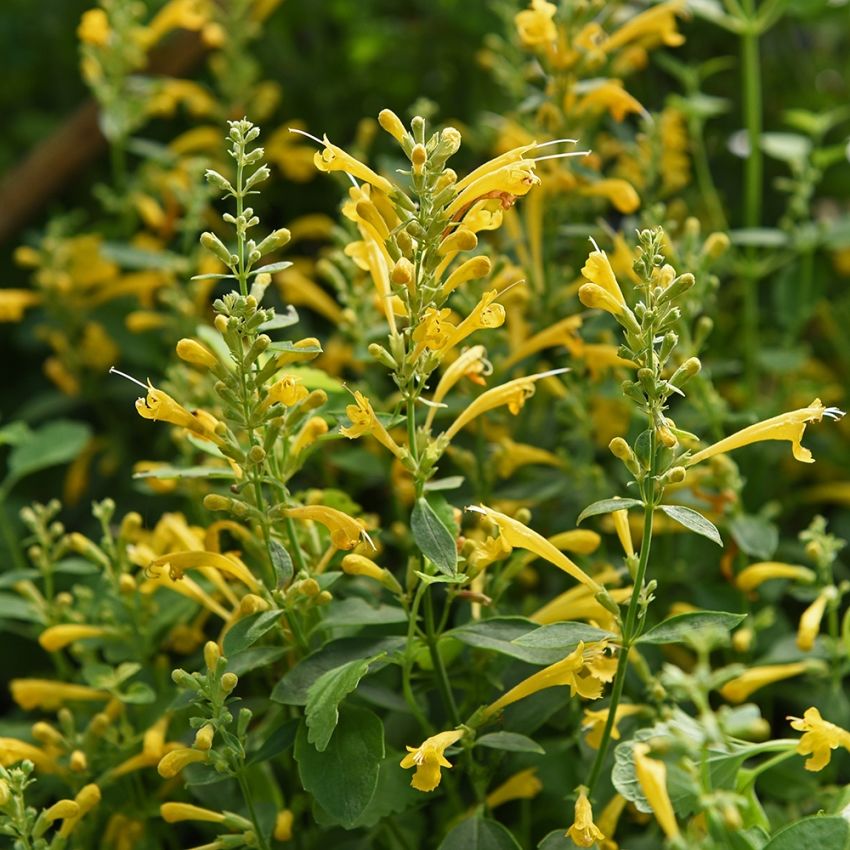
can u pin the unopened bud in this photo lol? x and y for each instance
(126, 583)
(623, 451)
(685, 372)
(193, 352)
(221, 323)
(418, 157)
(677, 287)
(324, 598)
(256, 454)
(204, 737)
(382, 356)
(716, 245)
(228, 682)
(78, 762)
(215, 246)
(215, 502)
(403, 272)
(390, 122)
(211, 655)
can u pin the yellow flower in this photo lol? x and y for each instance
(520, 536)
(610, 96)
(287, 391)
(619, 192)
(787, 426)
(819, 739)
(298, 289)
(87, 798)
(12, 751)
(810, 622)
(50, 695)
(584, 832)
(509, 181)
(312, 429)
(61, 810)
(558, 334)
(346, 532)
(485, 314)
(176, 812)
(624, 533)
(172, 763)
(582, 541)
(194, 352)
(657, 23)
(333, 158)
(94, 28)
(594, 723)
(428, 758)
(283, 825)
(178, 562)
(58, 637)
(364, 421)
(607, 821)
(755, 575)
(521, 786)
(535, 26)
(471, 269)
(511, 456)
(652, 778)
(161, 407)
(434, 330)
(739, 688)
(569, 672)
(597, 269)
(13, 303)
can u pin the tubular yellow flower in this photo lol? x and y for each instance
(567, 672)
(509, 181)
(313, 428)
(511, 456)
(58, 637)
(484, 215)
(172, 763)
(594, 723)
(283, 825)
(61, 810)
(87, 798)
(656, 23)
(428, 758)
(558, 334)
(739, 688)
(287, 391)
(595, 297)
(755, 575)
(50, 695)
(597, 269)
(178, 562)
(176, 812)
(161, 407)
(610, 96)
(470, 269)
(346, 532)
(619, 192)
(624, 532)
(12, 751)
(582, 541)
(364, 421)
(94, 28)
(584, 832)
(521, 786)
(298, 289)
(358, 565)
(819, 739)
(608, 820)
(810, 622)
(507, 158)
(521, 536)
(390, 122)
(535, 26)
(333, 158)
(434, 330)
(193, 352)
(485, 314)
(652, 778)
(787, 426)
(13, 303)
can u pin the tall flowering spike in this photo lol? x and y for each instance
(521, 536)
(787, 426)
(755, 575)
(739, 688)
(364, 421)
(819, 739)
(652, 778)
(346, 532)
(584, 832)
(428, 758)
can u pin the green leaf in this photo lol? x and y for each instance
(280, 740)
(607, 506)
(14, 433)
(434, 540)
(186, 472)
(282, 563)
(511, 742)
(281, 320)
(450, 483)
(478, 833)
(249, 630)
(325, 695)
(250, 659)
(13, 607)
(343, 777)
(563, 637)
(823, 832)
(756, 536)
(693, 521)
(683, 627)
(787, 147)
(53, 444)
(460, 578)
(355, 611)
(271, 268)
(130, 257)
(499, 634)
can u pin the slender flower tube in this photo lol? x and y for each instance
(594, 723)
(172, 763)
(810, 622)
(346, 532)
(12, 751)
(584, 832)
(559, 334)
(428, 758)
(510, 181)
(819, 739)
(364, 421)
(755, 575)
(87, 798)
(58, 637)
(179, 562)
(652, 778)
(739, 688)
(50, 695)
(177, 812)
(333, 158)
(521, 786)
(597, 269)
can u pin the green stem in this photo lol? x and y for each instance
(252, 814)
(407, 666)
(442, 677)
(8, 533)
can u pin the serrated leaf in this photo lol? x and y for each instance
(282, 563)
(434, 540)
(53, 444)
(824, 832)
(343, 777)
(693, 521)
(249, 630)
(477, 833)
(511, 742)
(683, 627)
(608, 506)
(325, 695)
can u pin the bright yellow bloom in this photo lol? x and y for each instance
(509, 181)
(287, 391)
(569, 672)
(597, 269)
(624, 533)
(94, 28)
(819, 739)
(739, 688)
(511, 456)
(810, 622)
(178, 562)
(657, 23)
(787, 426)
(172, 763)
(584, 832)
(177, 14)
(312, 429)
(596, 298)
(561, 333)
(359, 565)
(161, 407)
(610, 96)
(333, 158)
(535, 26)
(298, 289)
(582, 541)
(520, 536)
(12, 751)
(346, 532)
(364, 421)
(471, 269)
(755, 575)
(13, 303)
(50, 695)
(283, 825)
(61, 810)
(619, 192)
(652, 778)
(608, 820)
(87, 798)
(521, 786)
(485, 314)
(194, 352)
(594, 723)
(58, 637)
(428, 758)
(176, 812)
(434, 330)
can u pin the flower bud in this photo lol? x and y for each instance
(211, 655)
(204, 737)
(685, 372)
(403, 272)
(716, 245)
(191, 351)
(276, 239)
(418, 157)
(228, 682)
(382, 356)
(216, 502)
(215, 246)
(390, 122)
(623, 451)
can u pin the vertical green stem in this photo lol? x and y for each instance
(8, 533)
(252, 814)
(439, 668)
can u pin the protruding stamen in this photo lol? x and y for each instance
(113, 370)
(557, 142)
(560, 155)
(308, 135)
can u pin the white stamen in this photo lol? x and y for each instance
(593, 242)
(833, 413)
(560, 155)
(365, 534)
(557, 142)
(550, 373)
(114, 371)
(322, 143)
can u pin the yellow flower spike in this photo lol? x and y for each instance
(177, 812)
(333, 158)
(652, 778)
(810, 622)
(559, 334)
(564, 673)
(819, 738)
(512, 394)
(172, 763)
(14, 302)
(787, 426)
(520, 536)
(535, 26)
(428, 758)
(619, 192)
(192, 351)
(58, 637)
(312, 429)
(346, 532)
(471, 269)
(597, 269)
(87, 798)
(178, 562)
(50, 695)
(509, 182)
(738, 689)
(594, 723)
(283, 825)
(521, 786)
(364, 421)
(624, 532)
(755, 575)
(12, 751)
(584, 832)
